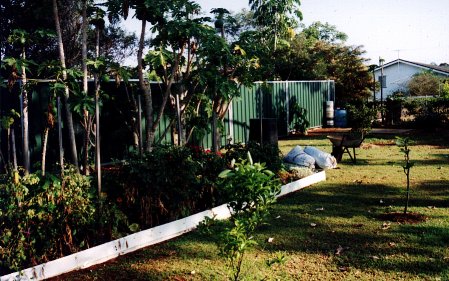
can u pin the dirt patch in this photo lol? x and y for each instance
(368, 146)
(408, 218)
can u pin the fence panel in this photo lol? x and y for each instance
(273, 100)
(261, 100)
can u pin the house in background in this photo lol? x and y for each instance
(397, 74)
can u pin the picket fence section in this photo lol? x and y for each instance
(136, 241)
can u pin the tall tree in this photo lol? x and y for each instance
(146, 89)
(199, 70)
(87, 119)
(145, 11)
(24, 15)
(176, 52)
(319, 52)
(99, 24)
(68, 112)
(19, 70)
(276, 17)
(326, 32)
(116, 43)
(273, 24)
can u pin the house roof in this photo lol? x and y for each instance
(424, 66)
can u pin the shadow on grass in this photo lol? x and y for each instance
(367, 162)
(344, 215)
(362, 160)
(320, 221)
(152, 263)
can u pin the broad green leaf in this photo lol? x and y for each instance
(225, 174)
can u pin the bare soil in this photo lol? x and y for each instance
(407, 218)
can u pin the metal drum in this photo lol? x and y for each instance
(329, 113)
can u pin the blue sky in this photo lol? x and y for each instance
(415, 30)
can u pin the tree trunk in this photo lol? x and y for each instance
(14, 152)
(50, 124)
(8, 144)
(138, 133)
(2, 159)
(87, 127)
(146, 89)
(84, 46)
(136, 119)
(86, 116)
(61, 149)
(408, 192)
(25, 131)
(44, 149)
(215, 133)
(179, 94)
(68, 112)
(97, 135)
(97, 116)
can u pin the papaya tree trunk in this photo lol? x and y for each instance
(97, 135)
(2, 159)
(68, 112)
(138, 133)
(84, 46)
(146, 89)
(86, 116)
(97, 115)
(69, 120)
(215, 133)
(216, 136)
(50, 124)
(14, 151)
(44, 149)
(25, 131)
(61, 148)
(87, 127)
(136, 118)
(8, 146)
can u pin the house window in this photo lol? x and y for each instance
(383, 81)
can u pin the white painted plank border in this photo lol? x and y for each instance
(133, 242)
(300, 184)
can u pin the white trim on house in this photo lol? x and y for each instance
(434, 68)
(399, 72)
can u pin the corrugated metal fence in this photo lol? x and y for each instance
(262, 100)
(272, 100)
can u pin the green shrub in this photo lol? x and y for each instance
(261, 153)
(110, 221)
(429, 113)
(43, 218)
(361, 117)
(166, 184)
(173, 182)
(298, 117)
(250, 190)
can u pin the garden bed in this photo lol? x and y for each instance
(133, 242)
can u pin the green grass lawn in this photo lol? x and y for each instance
(328, 231)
